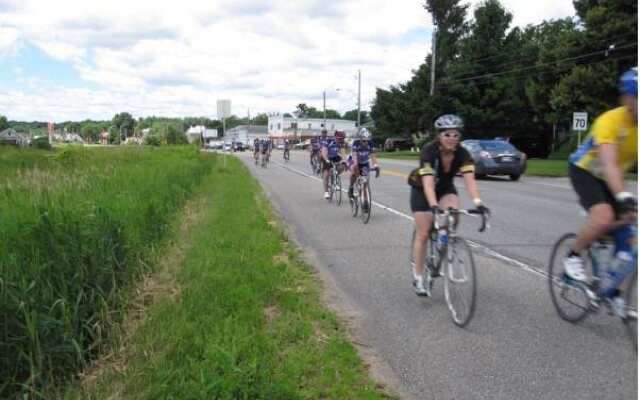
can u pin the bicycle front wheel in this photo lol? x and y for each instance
(569, 297)
(460, 281)
(355, 201)
(631, 319)
(338, 190)
(366, 203)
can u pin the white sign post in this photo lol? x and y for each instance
(580, 123)
(224, 111)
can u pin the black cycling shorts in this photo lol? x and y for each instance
(591, 190)
(418, 201)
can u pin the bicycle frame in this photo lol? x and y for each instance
(596, 255)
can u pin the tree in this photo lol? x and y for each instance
(301, 110)
(124, 122)
(90, 132)
(3, 123)
(260, 119)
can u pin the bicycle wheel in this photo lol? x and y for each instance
(631, 320)
(366, 199)
(331, 186)
(569, 297)
(355, 199)
(460, 281)
(338, 190)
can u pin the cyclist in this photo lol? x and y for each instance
(287, 147)
(314, 147)
(256, 148)
(432, 186)
(362, 149)
(264, 149)
(597, 171)
(332, 152)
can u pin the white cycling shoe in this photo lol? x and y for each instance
(574, 268)
(327, 195)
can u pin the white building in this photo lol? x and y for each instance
(245, 133)
(12, 137)
(302, 127)
(195, 133)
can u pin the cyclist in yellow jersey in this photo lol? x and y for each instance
(597, 171)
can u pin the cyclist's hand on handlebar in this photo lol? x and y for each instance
(483, 210)
(377, 169)
(435, 210)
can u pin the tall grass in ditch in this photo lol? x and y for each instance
(75, 229)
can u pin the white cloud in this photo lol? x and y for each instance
(153, 57)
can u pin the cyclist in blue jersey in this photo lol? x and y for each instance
(314, 147)
(256, 146)
(362, 152)
(287, 147)
(333, 151)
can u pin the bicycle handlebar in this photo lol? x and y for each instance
(452, 211)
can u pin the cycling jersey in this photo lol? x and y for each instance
(256, 146)
(315, 144)
(614, 127)
(333, 148)
(363, 151)
(431, 164)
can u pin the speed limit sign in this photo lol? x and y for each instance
(580, 121)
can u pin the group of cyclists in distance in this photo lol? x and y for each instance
(596, 171)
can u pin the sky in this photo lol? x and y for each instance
(71, 60)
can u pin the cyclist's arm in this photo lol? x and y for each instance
(323, 153)
(374, 158)
(429, 187)
(608, 154)
(472, 187)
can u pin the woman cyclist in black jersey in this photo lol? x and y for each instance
(432, 186)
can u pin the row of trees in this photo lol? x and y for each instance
(519, 81)
(171, 130)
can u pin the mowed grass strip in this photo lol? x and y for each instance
(247, 322)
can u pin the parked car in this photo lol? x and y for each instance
(495, 157)
(395, 144)
(226, 146)
(215, 145)
(238, 146)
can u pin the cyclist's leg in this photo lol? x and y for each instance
(449, 199)
(326, 170)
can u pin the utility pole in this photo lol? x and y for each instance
(358, 123)
(324, 109)
(433, 58)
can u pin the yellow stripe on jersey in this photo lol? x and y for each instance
(467, 168)
(426, 170)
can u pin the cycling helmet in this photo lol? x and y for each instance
(629, 82)
(338, 135)
(323, 131)
(364, 134)
(448, 121)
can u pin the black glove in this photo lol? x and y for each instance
(435, 210)
(483, 210)
(377, 169)
(627, 202)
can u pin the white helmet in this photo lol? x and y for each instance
(364, 134)
(448, 121)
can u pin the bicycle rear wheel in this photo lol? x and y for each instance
(569, 297)
(338, 190)
(460, 281)
(331, 186)
(366, 199)
(631, 320)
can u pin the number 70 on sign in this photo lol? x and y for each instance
(580, 121)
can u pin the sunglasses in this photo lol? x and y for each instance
(451, 135)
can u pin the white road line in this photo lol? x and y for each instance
(486, 250)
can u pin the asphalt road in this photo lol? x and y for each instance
(516, 347)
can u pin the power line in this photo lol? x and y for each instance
(540, 65)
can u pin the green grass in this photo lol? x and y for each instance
(247, 322)
(77, 228)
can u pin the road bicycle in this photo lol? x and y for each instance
(256, 157)
(361, 200)
(450, 257)
(286, 156)
(335, 184)
(316, 165)
(265, 159)
(574, 300)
